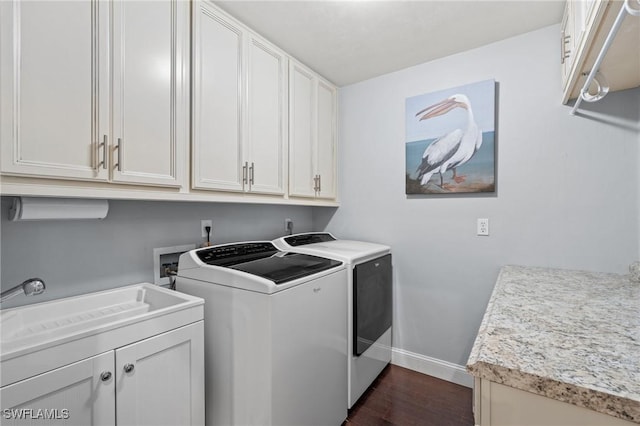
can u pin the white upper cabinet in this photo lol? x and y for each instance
(217, 101)
(302, 158)
(150, 91)
(585, 26)
(266, 117)
(312, 134)
(135, 98)
(578, 16)
(239, 107)
(57, 99)
(326, 134)
(54, 81)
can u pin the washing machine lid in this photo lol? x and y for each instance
(264, 260)
(326, 245)
(309, 238)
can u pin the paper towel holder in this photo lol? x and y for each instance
(37, 208)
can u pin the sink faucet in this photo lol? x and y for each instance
(31, 287)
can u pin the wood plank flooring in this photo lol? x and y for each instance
(404, 397)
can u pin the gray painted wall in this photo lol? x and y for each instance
(80, 256)
(567, 194)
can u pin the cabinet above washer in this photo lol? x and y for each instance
(77, 122)
(70, 107)
(239, 107)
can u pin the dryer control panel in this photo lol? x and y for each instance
(231, 254)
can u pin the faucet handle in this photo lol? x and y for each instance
(33, 286)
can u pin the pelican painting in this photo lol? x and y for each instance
(447, 136)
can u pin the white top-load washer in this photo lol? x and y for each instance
(275, 334)
(369, 301)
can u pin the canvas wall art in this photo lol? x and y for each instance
(450, 140)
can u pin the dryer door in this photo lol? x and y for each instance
(372, 302)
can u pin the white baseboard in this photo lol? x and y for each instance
(432, 366)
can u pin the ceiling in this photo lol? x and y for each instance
(354, 40)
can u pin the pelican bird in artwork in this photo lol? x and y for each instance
(452, 149)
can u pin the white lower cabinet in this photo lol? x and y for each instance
(81, 393)
(160, 381)
(156, 381)
(499, 405)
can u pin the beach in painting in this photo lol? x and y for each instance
(478, 172)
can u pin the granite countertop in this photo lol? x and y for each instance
(573, 336)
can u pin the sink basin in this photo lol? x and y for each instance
(34, 327)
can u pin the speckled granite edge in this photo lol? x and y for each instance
(603, 402)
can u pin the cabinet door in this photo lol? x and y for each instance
(217, 157)
(326, 140)
(301, 131)
(74, 394)
(567, 41)
(160, 380)
(266, 117)
(150, 59)
(54, 109)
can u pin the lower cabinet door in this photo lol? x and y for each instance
(160, 380)
(82, 393)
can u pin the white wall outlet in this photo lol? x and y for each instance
(203, 224)
(483, 226)
(288, 226)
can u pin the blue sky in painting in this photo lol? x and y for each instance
(482, 98)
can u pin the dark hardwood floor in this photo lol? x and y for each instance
(404, 397)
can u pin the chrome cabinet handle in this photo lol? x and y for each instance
(105, 376)
(244, 172)
(317, 183)
(128, 368)
(564, 53)
(119, 147)
(251, 173)
(105, 146)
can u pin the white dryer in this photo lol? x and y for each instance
(275, 334)
(369, 304)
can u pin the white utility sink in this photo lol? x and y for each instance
(36, 327)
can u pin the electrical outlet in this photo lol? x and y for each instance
(203, 224)
(288, 226)
(483, 226)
